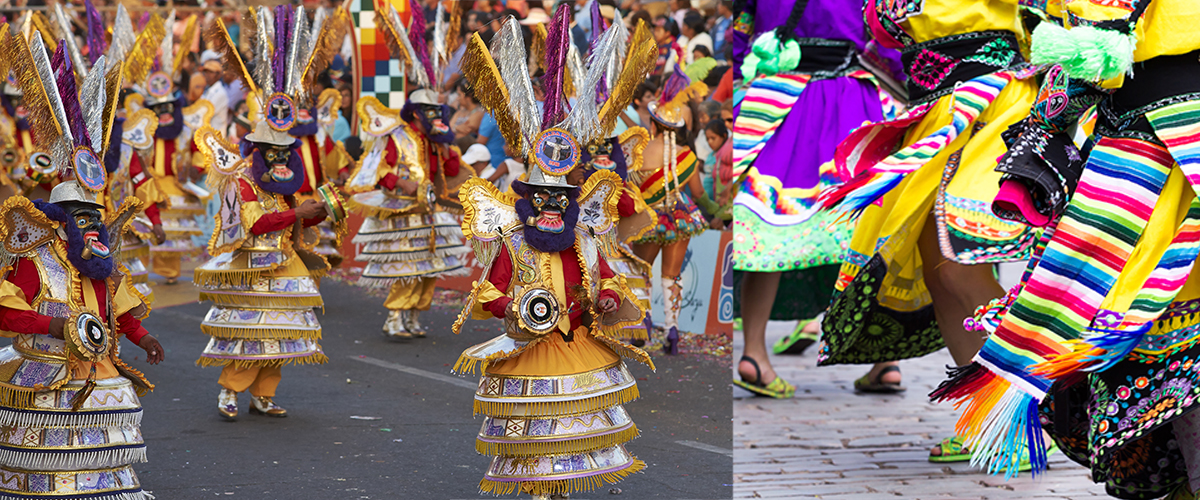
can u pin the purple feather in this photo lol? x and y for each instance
(558, 35)
(598, 26)
(95, 24)
(674, 85)
(141, 24)
(416, 36)
(283, 35)
(65, 80)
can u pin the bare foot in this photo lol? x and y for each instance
(892, 377)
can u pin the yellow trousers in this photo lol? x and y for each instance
(261, 380)
(167, 265)
(411, 295)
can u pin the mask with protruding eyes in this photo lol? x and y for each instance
(20, 112)
(277, 162)
(549, 205)
(165, 112)
(434, 119)
(600, 152)
(90, 223)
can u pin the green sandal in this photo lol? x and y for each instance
(952, 451)
(737, 324)
(878, 386)
(797, 342)
(778, 388)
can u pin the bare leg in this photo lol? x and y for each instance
(646, 251)
(758, 295)
(957, 290)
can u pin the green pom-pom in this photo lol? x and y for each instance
(1085, 52)
(766, 46)
(789, 57)
(750, 67)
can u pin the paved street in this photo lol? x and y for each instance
(828, 442)
(413, 436)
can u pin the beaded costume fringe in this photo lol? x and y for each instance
(75, 459)
(387, 282)
(400, 234)
(566, 447)
(626, 351)
(560, 486)
(66, 418)
(122, 495)
(238, 299)
(316, 358)
(235, 278)
(15, 396)
(259, 333)
(498, 409)
(132, 373)
(387, 257)
(469, 364)
(382, 213)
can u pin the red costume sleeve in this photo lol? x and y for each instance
(606, 273)
(389, 181)
(268, 222)
(391, 154)
(625, 206)
(131, 327)
(499, 276)
(452, 163)
(25, 276)
(139, 176)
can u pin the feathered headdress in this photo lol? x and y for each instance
(154, 63)
(674, 96)
(550, 139)
(71, 123)
(289, 52)
(424, 61)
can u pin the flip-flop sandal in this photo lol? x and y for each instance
(778, 388)
(737, 323)
(795, 343)
(878, 386)
(952, 451)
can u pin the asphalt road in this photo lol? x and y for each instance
(422, 443)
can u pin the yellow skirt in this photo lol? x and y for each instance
(884, 310)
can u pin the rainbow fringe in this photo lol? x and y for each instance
(999, 422)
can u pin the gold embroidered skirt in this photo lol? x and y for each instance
(406, 247)
(262, 313)
(48, 450)
(553, 416)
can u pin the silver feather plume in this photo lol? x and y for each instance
(123, 36)
(294, 67)
(414, 71)
(91, 100)
(440, 27)
(508, 50)
(168, 44)
(314, 32)
(64, 25)
(264, 76)
(616, 64)
(583, 119)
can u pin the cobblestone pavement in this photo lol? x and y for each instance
(828, 442)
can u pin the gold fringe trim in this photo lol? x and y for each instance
(232, 277)
(185, 44)
(44, 127)
(17, 398)
(145, 50)
(470, 365)
(639, 61)
(481, 70)
(217, 38)
(498, 409)
(140, 384)
(258, 333)
(260, 300)
(625, 350)
(560, 486)
(383, 213)
(566, 447)
(312, 359)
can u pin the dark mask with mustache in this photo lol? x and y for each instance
(604, 154)
(550, 215)
(87, 236)
(170, 118)
(278, 169)
(432, 118)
